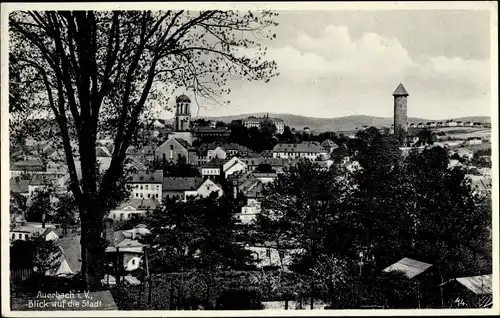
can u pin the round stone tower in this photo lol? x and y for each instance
(400, 113)
(182, 113)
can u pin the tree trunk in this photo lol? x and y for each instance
(92, 250)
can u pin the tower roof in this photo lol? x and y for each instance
(183, 99)
(400, 91)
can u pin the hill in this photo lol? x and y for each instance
(346, 123)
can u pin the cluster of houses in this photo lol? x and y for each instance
(449, 123)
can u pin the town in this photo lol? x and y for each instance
(235, 174)
(230, 159)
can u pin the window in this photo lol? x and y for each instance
(268, 252)
(156, 195)
(146, 187)
(13, 236)
(158, 187)
(133, 261)
(121, 216)
(149, 195)
(141, 186)
(142, 195)
(129, 216)
(136, 195)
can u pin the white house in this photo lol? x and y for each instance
(204, 190)
(474, 141)
(233, 165)
(217, 153)
(310, 150)
(265, 177)
(132, 207)
(146, 184)
(29, 230)
(212, 169)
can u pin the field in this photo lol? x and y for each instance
(462, 133)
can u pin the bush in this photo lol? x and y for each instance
(240, 299)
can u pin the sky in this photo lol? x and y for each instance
(341, 63)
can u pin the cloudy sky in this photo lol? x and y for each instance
(340, 63)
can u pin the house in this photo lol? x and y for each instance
(28, 230)
(123, 246)
(468, 292)
(307, 130)
(20, 185)
(131, 207)
(486, 172)
(265, 177)
(217, 153)
(146, 184)
(267, 153)
(412, 125)
(39, 182)
(69, 262)
(451, 123)
(205, 189)
(103, 156)
(329, 145)
(477, 124)
(480, 185)
(204, 152)
(454, 163)
(277, 164)
(175, 187)
(256, 122)
(353, 166)
(410, 267)
(145, 154)
(214, 132)
(30, 166)
(233, 165)
(252, 208)
(431, 124)
(460, 123)
(420, 125)
(463, 153)
(268, 254)
(173, 149)
(212, 169)
(469, 124)
(310, 150)
(473, 141)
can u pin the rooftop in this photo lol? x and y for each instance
(479, 285)
(400, 91)
(147, 176)
(140, 204)
(181, 184)
(302, 147)
(409, 267)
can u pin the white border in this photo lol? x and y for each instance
(309, 6)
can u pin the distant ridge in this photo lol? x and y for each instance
(346, 123)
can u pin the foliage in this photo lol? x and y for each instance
(17, 203)
(66, 211)
(264, 168)
(96, 73)
(194, 234)
(180, 168)
(36, 253)
(239, 299)
(41, 208)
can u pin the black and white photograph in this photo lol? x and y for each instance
(265, 158)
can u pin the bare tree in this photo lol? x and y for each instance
(100, 73)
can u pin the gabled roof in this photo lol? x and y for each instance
(328, 143)
(409, 267)
(400, 91)
(27, 165)
(72, 252)
(147, 176)
(214, 163)
(181, 184)
(183, 143)
(19, 185)
(479, 285)
(302, 147)
(140, 204)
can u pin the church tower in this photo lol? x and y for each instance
(400, 113)
(182, 113)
